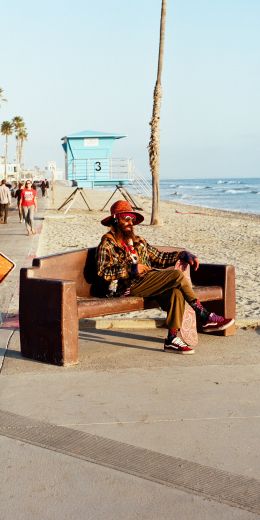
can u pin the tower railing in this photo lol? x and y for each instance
(98, 170)
(108, 171)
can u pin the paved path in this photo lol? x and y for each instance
(192, 423)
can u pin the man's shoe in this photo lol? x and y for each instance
(177, 345)
(215, 323)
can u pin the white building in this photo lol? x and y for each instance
(10, 170)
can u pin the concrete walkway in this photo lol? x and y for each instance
(199, 416)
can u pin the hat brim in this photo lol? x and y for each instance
(109, 221)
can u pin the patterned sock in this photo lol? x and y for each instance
(201, 312)
(172, 333)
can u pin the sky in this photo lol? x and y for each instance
(91, 65)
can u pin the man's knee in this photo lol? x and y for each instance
(177, 276)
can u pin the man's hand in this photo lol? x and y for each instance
(194, 262)
(189, 258)
(142, 269)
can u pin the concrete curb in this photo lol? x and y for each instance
(5, 336)
(147, 323)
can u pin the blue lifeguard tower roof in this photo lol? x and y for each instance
(93, 133)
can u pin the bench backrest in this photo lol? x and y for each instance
(78, 266)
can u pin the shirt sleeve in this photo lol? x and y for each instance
(162, 259)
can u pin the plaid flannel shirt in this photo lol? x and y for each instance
(114, 262)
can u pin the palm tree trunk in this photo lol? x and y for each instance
(154, 144)
(6, 151)
(17, 160)
(20, 153)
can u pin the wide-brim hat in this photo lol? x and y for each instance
(121, 206)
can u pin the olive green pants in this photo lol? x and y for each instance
(170, 288)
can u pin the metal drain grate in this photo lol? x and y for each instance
(235, 490)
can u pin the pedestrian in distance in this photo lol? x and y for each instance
(43, 188)
(28, 205)
(47, 185)
(5, 201)
(128, 265)
(17, 195)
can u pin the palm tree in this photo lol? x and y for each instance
(154, 143)
(1, 96)
(22, 136)
(6, 129)
(18, 125)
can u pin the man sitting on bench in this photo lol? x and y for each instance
(128, 265)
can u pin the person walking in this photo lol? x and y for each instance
(47, 185)
(43, 188)
(28, 205)
(18, 194)
(5, 201)
(128, 265)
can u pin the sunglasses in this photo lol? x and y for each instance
(127, 218)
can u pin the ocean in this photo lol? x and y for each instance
(241, 194)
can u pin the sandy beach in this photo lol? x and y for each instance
(215, 236)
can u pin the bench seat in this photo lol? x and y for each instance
(92, 307)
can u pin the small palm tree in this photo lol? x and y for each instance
(154, 144)
(1, 96)
(6, 129)
(18, 125)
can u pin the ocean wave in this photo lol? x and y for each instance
(190, 186)
(238, 191)
(241, 191)
(229, 182)
(234, 182)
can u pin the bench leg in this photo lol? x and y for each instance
(55, 343)
(49, 322)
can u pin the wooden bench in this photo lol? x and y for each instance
(57, 291)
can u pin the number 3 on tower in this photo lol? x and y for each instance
(97, 166)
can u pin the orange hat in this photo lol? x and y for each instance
(121, 206)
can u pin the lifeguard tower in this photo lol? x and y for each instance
(89, 161)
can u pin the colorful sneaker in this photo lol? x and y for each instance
(215, 323)
(177, 345)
